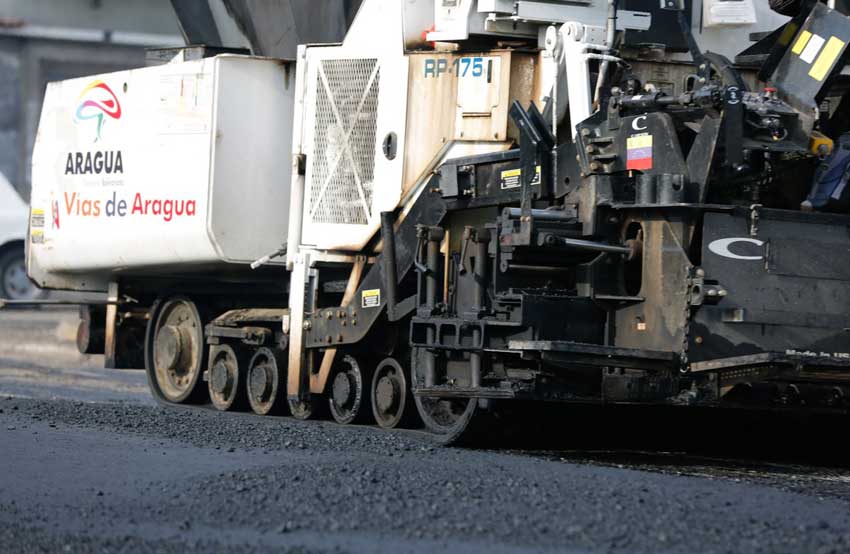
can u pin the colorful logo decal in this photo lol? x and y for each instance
(96, 102)
(54, 211)
(721, 247)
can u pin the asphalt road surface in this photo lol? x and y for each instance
(89, 463)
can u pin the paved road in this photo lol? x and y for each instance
(39, 359)
(89, 464)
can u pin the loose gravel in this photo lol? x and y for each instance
(316, 486)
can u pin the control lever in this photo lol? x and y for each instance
(269, 257)
(467, 236)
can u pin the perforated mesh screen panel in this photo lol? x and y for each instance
(343, 165)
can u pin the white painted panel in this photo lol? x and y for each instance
(354, 99)
(251, 168)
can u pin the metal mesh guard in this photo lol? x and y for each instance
(343, 165)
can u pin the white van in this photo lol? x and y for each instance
(14, 283)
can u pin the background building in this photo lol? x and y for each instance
(51, 40)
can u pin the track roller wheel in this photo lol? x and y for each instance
(453, 421)
(226, 376)
(392, 403)
(349, 401)
(175, 353)
(302, 409)
(265, 381)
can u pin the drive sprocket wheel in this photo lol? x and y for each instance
(452, 421)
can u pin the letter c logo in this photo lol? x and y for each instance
(638, 121)
(721, 248)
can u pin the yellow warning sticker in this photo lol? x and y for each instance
(370, 298)
(511, 178)
(802, 40)
(827, 58)
(37, 218)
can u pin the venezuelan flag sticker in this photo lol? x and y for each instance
(639, 152)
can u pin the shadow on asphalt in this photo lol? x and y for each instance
(677, 435)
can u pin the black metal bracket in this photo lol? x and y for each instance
(536, 144)
(337, 326)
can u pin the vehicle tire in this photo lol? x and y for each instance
(14, 282)
(175, 352)
(786, 7)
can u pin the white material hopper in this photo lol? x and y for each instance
(175, 168)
